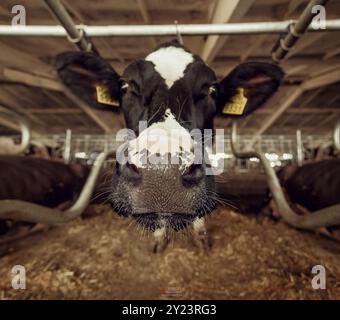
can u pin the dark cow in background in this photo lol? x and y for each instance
(48, 183)
(170, 89)
(322, 152)
(39, 181)
(245, 192)
(312, 186)
(315, 184)
(51, 151)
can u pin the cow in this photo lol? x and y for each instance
(9, 145)
(47, 183)
(43, 150)
(312, 186)
(171, 89)
(40, 181)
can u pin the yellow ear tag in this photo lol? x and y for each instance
(237, 105)
(103, 96)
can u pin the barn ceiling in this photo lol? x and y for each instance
(29, 85)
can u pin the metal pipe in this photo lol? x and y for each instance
(25, 134)
(67, 148)
(323, 218)
(296, 30)
(31, 212)
(336, 137)
(75, 34)
(299, 148)
(162, 30)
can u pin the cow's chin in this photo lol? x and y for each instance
(152, 221)
(174, 221)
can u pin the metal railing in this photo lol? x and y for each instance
(336, 137)
(31, 212)
(280, 149)
(25, 138)
(329, 216)
(162, 30)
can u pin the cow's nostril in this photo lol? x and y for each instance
(118, 168)
(193, 174)
(128, 171)
(132, 171)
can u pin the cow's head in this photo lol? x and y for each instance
(173, 91)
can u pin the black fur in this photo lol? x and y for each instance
(241, 77)
(82, 71)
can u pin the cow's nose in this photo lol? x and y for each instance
(193, 175)
(129, 171)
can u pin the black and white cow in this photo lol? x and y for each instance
(172, 90)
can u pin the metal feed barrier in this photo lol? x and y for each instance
(25, 133)
(162, 29)
(323, 218)
(90, 144)
(336, 137)
(26, 211)
(83, 148)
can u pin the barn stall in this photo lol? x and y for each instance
(278, 212)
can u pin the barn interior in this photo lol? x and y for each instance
(260, 245)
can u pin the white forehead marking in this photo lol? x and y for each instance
(170, 63)
(162, 138)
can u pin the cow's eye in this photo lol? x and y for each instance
(212, 91)
(124, 87)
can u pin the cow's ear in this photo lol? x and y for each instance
(91, 78)
(247, 87)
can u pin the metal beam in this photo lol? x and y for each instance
(292, 6)
(73, 10)
(74, 34)
(296, 30)
(162, 30)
